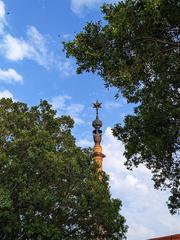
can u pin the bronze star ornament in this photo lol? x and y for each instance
(97, 105)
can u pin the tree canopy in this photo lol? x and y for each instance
(49, 187)
(137, 50)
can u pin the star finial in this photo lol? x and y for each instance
(97, 105)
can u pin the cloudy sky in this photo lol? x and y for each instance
(33, 67)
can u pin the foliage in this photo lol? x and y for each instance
(49, 188)
(137, 50)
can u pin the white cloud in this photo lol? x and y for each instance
(2, 17)
(10, 76)
(15, 49)
(42, 54)
(78, 5)
(6, 94)
(34, 46)
(66, 36)
(112, 105)
(84, 143)
(66, 67)
(64, 106)
(144, 207)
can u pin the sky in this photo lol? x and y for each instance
(33, 66)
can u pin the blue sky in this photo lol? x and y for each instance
(33, 67)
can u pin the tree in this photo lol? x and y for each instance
(136, 49)
(49, 188)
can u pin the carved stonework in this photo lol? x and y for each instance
(97, 137)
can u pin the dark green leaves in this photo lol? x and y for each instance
(137, 50)
(49, 188)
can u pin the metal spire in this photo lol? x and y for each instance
(97, 152)
(97, 105)
(97, 135)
